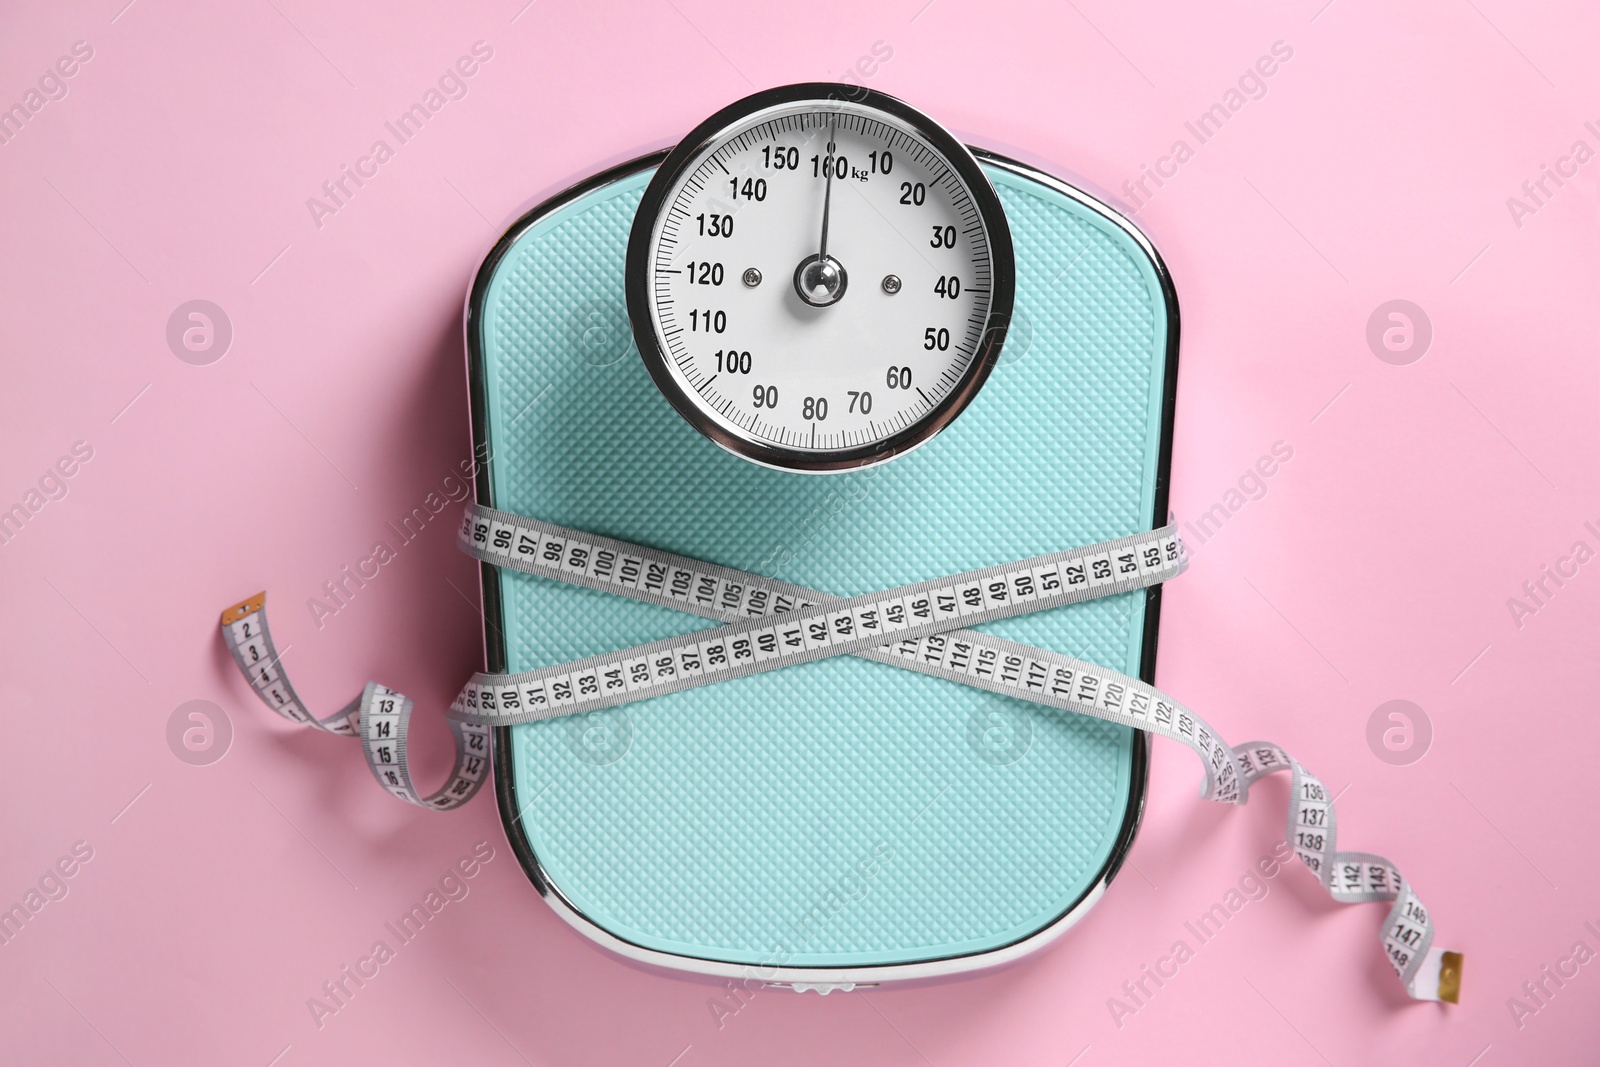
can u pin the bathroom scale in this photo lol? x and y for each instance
(838, 822)
(845, 387)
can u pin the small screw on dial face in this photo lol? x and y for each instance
(891, 283)
(752, 277)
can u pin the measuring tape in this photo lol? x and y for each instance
(385, 713)
(768, 624)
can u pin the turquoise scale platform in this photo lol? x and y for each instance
(839, 814)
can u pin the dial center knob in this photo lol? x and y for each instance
(820, 280)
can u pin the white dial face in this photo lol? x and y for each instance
(820, 278)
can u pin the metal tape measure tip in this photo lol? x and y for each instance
(244, 607)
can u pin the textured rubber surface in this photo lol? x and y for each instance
(842, 813)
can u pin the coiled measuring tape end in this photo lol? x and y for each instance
(380, 717)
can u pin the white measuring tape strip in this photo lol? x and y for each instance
(921, 627)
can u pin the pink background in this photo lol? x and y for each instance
(1377, 567)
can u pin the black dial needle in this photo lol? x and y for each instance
(827, 194)
(820, 279)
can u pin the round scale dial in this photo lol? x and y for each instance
(819, 277)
